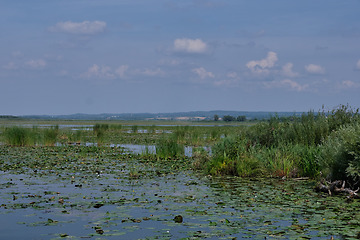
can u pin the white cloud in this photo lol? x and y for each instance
(287, 70)
(149, 72)
(263, 66)
(36, 64)
(202, 73)
(314, 69)
(358, 65)
(120, 71)
(63, 73)
(17, 54)
(153, 72)
(190, 45)
(85, 27)
(170, 62)
(10, 66)
(286, 83)
(232, 75)
(349, 84)
(101, 72)
(225, 82)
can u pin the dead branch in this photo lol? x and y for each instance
(337, 187)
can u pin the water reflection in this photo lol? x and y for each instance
(138, 148)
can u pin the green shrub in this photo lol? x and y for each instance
(342, 115)
(262, 134)
(340, 154)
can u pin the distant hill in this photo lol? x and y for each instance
(192, 116)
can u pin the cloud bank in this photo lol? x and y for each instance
(85, 27)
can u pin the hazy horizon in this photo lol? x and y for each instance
(106, 56)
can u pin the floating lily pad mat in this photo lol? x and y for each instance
(78, 192)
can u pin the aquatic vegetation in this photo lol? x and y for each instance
(134, 128)
(17, 136)
(200, 158)
(51, 135)
(232, 156)
(93, 192)
(21, 136)
(99, 131)
(280, 162)
(168, 147)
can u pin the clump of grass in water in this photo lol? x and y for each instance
(99, 130)
(74, 137)
(134, 128)
(134, 172)
(20, 136)
(51, 135)
(168, 147)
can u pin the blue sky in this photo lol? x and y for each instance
(129, 56)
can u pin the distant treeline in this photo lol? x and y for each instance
(8, 117)
(229, 118)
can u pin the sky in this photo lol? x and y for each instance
(155, 56)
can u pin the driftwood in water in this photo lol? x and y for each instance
(337, 187)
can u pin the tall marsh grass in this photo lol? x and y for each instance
(50, 135)
(168, 147)
(21, 136)
(17, 136)
(99, 131)
(309, 145)
(232, 156)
